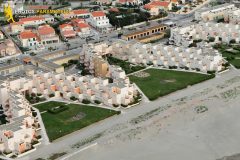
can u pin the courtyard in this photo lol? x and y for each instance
(61, 119)
(156, 83)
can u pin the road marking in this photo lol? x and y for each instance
(85, 148)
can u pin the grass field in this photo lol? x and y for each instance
(72, 119)
(230, 52)
(163, 82)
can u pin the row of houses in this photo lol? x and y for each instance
(201, 59)
(43, 36)
(184, 36)
(214, 13)
(17, 27)
(97, 19)
(21, 131)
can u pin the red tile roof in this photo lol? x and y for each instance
(156, 4)
(16, 23)
(64, 25)
(45, 30)
(69, 33)
(27, 35)
(83, 25)
(34, 18)
(80, 11)
(98, 14)
(78, 21)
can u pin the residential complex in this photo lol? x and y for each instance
(214, 13)
(184, 36)
(21, 131)
(200, 59)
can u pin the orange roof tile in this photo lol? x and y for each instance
(114, 9)
(156, 4)
(65, 25)
(27, 35)
(78, 20)
(98, 14)
(45, 30)
(69, 33)
(80, 11)
(83, 25)
(34, 18)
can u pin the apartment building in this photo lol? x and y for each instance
(232, 16)
(202, 59)
(10, 67)
(84, 87)
(47, 35)
(17, 27)
(184, 36)
(21, 130)
(214, 13)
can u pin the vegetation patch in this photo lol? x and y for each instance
(74, 118)
(153, 86)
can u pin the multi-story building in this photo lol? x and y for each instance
(232, 16)
(67, 31)
(21, 130)
(184, 36)
(99, 20)
(214, 13)
(202, 59)
(44, 36)
(80, 13)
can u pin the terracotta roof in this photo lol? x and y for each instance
(45, 30)
(83, 25)
(98, 14)
(35, 18)
(27, 35)
(80, 11)
(64, 25)
(156, 4)
(69, 33)
(174, 1)
(16, 23)
(78, 21)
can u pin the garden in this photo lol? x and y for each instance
(61, 119)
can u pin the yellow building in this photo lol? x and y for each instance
(101, 67)
(144, 33)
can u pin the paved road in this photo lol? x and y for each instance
(65, 143)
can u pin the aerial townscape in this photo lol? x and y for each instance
(119, 79)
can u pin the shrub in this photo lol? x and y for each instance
(51, 95)
(59, 109)
(115, 105)
(73, 98)
(39, 94)
(86, 101)
(232, 41)
(211, 39)
(97, 102)
(123, 105)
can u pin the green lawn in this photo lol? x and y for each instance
(232, 55)
(163, 82)
(68, 121)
